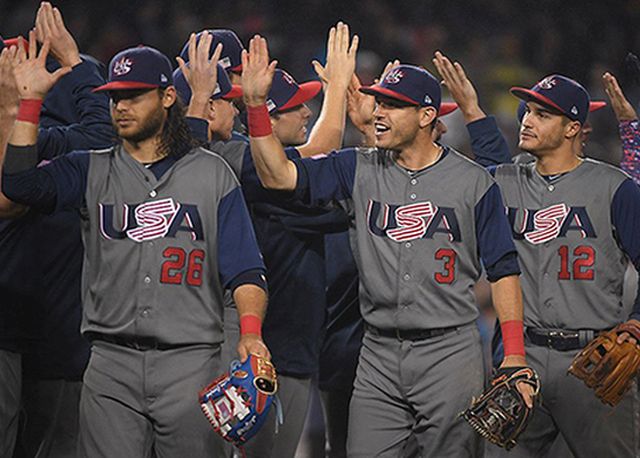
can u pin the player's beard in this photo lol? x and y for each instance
(149, 127)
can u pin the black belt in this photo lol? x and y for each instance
(410, 334)
(560, 339)
(136, 342)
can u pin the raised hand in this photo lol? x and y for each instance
(202, 71)
(360, 106)
(460, 87)
(621, 106)
(32, 78)
(257, 72)
(50, 26)
(341, 57)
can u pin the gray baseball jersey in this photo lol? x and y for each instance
(566, 239)
(159, 247)
(420, 237)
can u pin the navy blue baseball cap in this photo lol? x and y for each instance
(286, 93)
(232, 47)
(594, 105)
(560, 93)
(224, 89)
(141, 67)
(410, 84)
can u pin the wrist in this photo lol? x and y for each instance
(513, 338)
(29, 110)
(259, 121)
(472, 114)
(250, 324)
(254, 101)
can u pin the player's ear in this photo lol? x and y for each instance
(169, 97)
(572, 128)
(427, 116)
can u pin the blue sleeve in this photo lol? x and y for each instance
(625, 215)
(94, 130)
(69, 173)
(238, 251)
(199, 128)
(325, 178)
(58, 185)
(495, 244)
(251, 184)
(488, 143)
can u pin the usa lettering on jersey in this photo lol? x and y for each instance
(151, 220)
(543, 225)
(402, 223)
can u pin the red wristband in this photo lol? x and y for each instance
(259, 121)
(513, 337)
(29, 110)
(250, 324)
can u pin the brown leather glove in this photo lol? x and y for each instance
(609, 367)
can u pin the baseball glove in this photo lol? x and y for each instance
(237, 402)
(500, 414)
(608, 367)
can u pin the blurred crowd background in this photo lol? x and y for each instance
(500, 43)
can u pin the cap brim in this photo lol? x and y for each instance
(124, 85)
(596, 105)
(306, 92)
(234, 93)
(446, 108)
(385, 92)
(532, 96)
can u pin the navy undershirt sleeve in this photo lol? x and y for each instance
(238, 250)
(625, 215)
(325, 178)
(488, 143)
(94, 130)
(199, 128)
(58, 185)
(495, 244)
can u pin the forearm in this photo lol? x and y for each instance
(251, 301)
(507, 298)
(8, 209)
(274, 169)
(328, 131)
(507, 301)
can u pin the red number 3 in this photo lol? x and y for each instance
(172, 268)
(449, 274)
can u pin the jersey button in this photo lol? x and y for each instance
(153, 193)
(145, 313)
(551, 188)
(413, 196)
(147, 280)
(414, 182)
(407, 277)
(408, 244)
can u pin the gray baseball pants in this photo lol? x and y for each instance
(419, 387)
(135, 401)
(570, 409)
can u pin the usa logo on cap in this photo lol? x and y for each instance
(122, 66)
(394, 76)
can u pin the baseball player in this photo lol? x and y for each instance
(420, 239)
(42, 257)
(345, 326)
(165, 230)
(573, 221)
(291, 236)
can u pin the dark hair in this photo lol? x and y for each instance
(176, 139)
